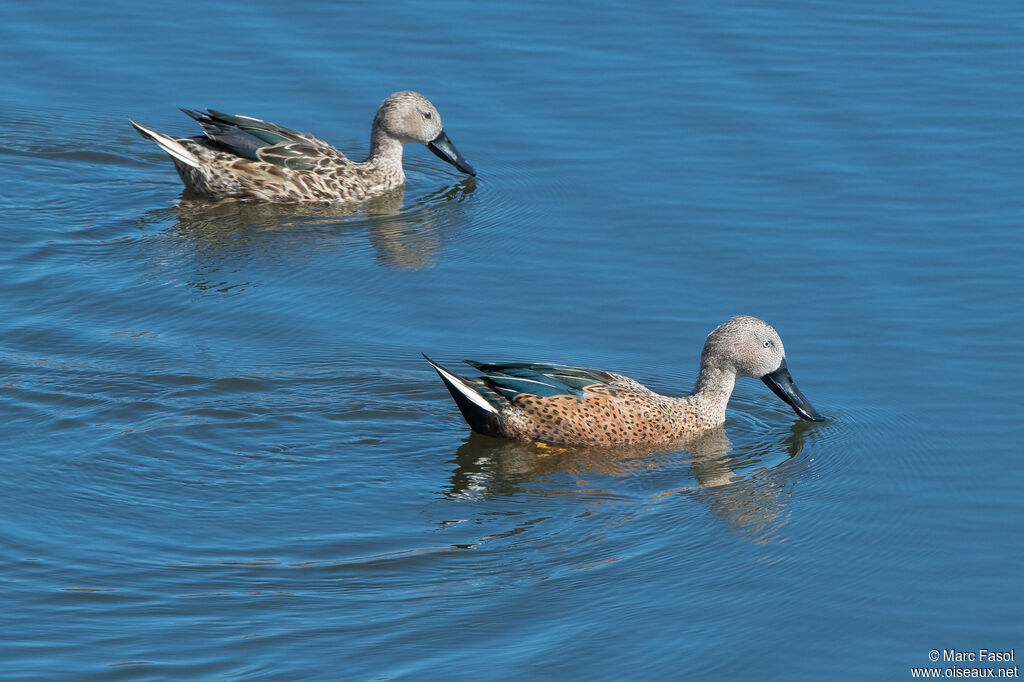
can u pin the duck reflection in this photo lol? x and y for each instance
(406, 236)
(752, 501)
(755, 505)
(411, 239)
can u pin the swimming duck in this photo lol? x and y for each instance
(577, 406)
(247, 158)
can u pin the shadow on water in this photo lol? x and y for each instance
(402, 235)
(748, 488)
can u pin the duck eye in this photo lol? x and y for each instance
(766, 343)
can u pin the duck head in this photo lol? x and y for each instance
(752, 348)
(410, 117)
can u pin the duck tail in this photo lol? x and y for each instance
(168, 144)
(478, 403)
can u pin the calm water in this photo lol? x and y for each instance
(225, 458)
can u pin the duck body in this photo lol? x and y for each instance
(248, 158)
(573, 405)
(561, 404)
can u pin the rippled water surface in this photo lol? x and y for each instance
(224, 456)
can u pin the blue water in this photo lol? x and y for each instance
(225, 458)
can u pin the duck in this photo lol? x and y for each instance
(566, 405)
(241, 157)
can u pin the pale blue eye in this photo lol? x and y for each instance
(766, 343)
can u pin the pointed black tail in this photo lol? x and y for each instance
(475, 401)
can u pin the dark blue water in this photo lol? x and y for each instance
(225, 457)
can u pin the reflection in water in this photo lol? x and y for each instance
(756, 504)
(749, 490)
(411, 240)
(223, 232)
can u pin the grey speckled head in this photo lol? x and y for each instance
(745, 346)
(408, 116)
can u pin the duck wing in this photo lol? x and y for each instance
(543, 379)
(258, 140)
